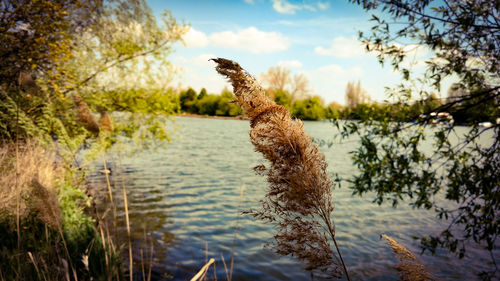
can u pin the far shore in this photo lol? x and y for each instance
(240, 117)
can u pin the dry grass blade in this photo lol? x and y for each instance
(225, 267)
(34, 263)
(409, 268)
(127, 220)
(299, 199)
(203, 271)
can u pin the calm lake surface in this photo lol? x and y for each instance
(184, 203)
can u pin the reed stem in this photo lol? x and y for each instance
(126, 219)
(341, 258)
(107, 178)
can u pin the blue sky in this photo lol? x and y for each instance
(316, 38)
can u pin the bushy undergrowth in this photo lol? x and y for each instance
(46, 232)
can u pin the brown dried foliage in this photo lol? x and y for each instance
(298, 199)
(85, 116)
(409, 268)
(105, 123)
(31, 181)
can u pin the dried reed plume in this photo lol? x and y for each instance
(409, 268)
(85, 116)
(34, 179)
(299, 198)
(105, 123)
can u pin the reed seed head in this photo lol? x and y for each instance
(298, 200)
(85, 116)
(409, 268)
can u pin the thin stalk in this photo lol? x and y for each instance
(131, 267)
(65, 246)
(341, 258)
(332, 235)
(225, 268)
(215, 272)
(150, 261)
(242, 189)
(18, 193)
(104, 246)
(107, 178)
(142, 265)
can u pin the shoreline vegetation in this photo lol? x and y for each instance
(48, 224)
(358, 107)
(192, 115)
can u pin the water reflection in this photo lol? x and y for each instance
(149, 218)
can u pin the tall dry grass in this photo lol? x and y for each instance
(29, 188)
(44, 232)
(299, 198)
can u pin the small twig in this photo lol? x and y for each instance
(225, 268)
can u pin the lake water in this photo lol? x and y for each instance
(185, 204)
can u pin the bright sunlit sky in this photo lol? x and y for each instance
(317, 38)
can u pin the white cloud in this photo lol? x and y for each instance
(323, 6)
(251, 2)
(416, 55)
(195, 39)
(330, 81)
(204, 60)
(414, 51)
(252, 40)
(285, 7)
(343, 48)
(198, 72)
(290, 63)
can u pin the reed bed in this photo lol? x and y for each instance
(30, 176)
(46, 234)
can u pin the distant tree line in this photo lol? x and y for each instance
(294, 93)
(358, 105)
(208, 104)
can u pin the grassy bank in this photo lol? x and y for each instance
(45, 223)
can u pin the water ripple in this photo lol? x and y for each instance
(187, 198)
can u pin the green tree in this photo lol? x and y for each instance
(309, 109)
(55, 72)
(203, 93)
(208, 105)
(458, 180)
(188, 100)
(35, 35)
(282, 97)
(218, 105)
(227, 101)
(332, 111)
(60, 61)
